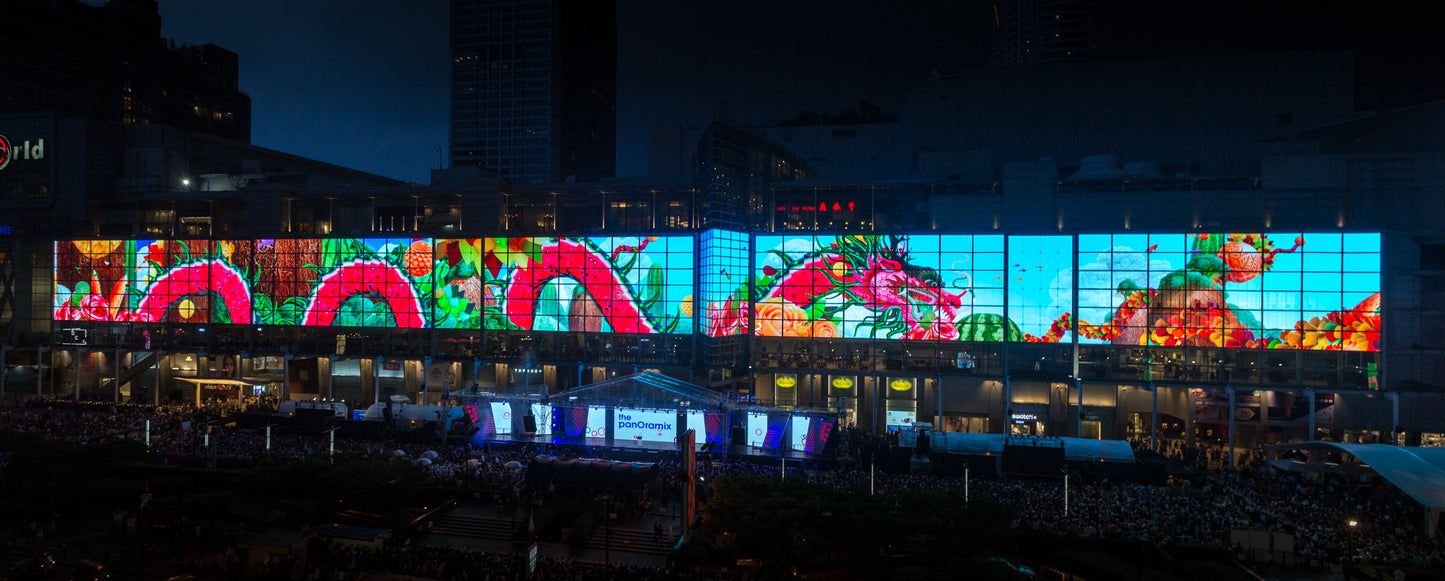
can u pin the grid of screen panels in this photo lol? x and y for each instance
(916, 287)
(1234, 290)
(1318, 291)
(620, 284)
(724, 279)
(640, 284)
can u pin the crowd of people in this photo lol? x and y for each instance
(1199, 509)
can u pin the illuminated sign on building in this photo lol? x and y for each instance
(25, 151)
(842, 382)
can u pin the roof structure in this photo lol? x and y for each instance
(647, 389)
(1075, 449)
(1418, 472)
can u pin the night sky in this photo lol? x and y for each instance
(364, 83)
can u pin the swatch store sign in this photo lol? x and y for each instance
(11, 151)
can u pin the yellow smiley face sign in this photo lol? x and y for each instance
(843, 382)
(901, 384)
(786, 381)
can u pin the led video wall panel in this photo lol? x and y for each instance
(1236, 290)
(1040, 285)
(634, 284)
(618, 284)
(645, 425)
(917, 287)
(724, 281)
(150, 281)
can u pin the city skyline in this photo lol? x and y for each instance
(371, 91)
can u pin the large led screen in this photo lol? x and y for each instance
(542, 414)
(724, 281)
(918, 287)
(1237, 290)
(597, 421)
(150, 281)
(502, 417)
(757, 425)
(697, 422)
(1040, 282)
(625, 285)
(635, 284)
(645, 425)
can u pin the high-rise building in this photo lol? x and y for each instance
(1030, 32)
(534, 88)
(108, 62)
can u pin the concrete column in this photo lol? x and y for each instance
(76, 375)
(1079, 420)
(116, 365)
(1310, 393)
(1154, 417)
(375, 378)
(425, 372)
(876, 388)
(286, 377)
(330, 361)
(156, 391)
(1394, 418)
(1008, 402)
(1229, 392)
(3, 350)
(40, 365)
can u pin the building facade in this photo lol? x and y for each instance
(1256, 308)
(534, 88)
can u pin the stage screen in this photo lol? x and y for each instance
(632, 284)
(502, 415)
(597, 421)
(717, 428)
(575, 422)
(1235, 290)
(543, 414)
(724, 282)
(798, 434)
(915, 287)
(777, 424)
(818, 432)
(757, 428)
(898, 419)
(645, 425)
(697, 422)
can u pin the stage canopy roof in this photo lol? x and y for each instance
(647, 389)
(1075, 449)
(1418, 472)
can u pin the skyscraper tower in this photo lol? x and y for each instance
(534, 88)
(1030, 32)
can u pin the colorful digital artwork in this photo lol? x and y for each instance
(623, 285)
(724, 282)
(1235, 290)
(634, 284)
(1232, 290)
(925, 287)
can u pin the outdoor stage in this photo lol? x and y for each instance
(651, 449)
